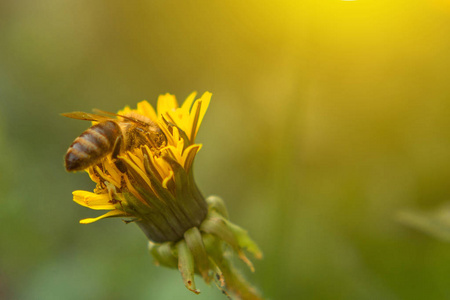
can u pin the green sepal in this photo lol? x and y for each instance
(185, 198)
(217, 225)
(216, 203)
(218, 275)
(163, 254)
(186, 266)
(214, 248)
(244, 240)
(227, 278)
(194, 241)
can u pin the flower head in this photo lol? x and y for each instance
(141, 162)
(152, 180)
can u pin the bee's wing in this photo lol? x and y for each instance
(79, 115)
(117, 115)
(104, 112)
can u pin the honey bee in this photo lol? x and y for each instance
(110, 136)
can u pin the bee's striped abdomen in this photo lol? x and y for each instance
(92, 145)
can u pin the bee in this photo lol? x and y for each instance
(110, 136)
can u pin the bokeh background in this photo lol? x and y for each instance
(328, 118)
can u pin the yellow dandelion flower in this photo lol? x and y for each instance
(141, 161)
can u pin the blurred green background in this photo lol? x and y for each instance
(328, 118)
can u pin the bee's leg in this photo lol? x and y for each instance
(116, 151)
